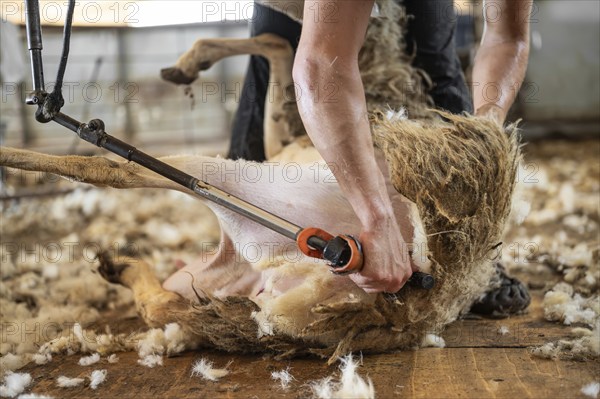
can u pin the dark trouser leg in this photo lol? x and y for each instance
(247, 133)
(431, 34)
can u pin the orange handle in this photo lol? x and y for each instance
(302, 241)
(343, 252)
(355, 263)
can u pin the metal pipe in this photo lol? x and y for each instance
(34, 42)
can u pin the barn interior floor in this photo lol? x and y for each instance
(477, 362)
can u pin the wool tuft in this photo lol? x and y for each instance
(14, 384)
(583, 348)
(66, 382)
(433, 341)
(12, 362)
(503, 330)
(562, 304)
(284, 377)
(592, 389)
(89, 360)
(97, 377)
(40, 358)
(113, 358)
(204, 368)
(351, 385)
(176, 338)
(151, 361)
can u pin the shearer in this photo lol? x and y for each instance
(340, 130)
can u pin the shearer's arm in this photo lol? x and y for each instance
(332, 105)
(501, 60)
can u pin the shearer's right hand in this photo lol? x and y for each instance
(387, 264)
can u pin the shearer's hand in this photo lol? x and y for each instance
(387, 264)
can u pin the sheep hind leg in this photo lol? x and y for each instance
(207, 322)
(98, 171)
(282, 121)
(155, 305)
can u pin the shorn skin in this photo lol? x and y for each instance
(450, 182)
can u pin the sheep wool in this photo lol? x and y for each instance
(204, 368)
(283, 376)
(592, 389)
(350, 385)
(66, 382)
(14, 384)
(97, 377)
(89, 360)
(151, 361)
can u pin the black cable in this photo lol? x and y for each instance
(55, 100)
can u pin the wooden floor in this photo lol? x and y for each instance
(478, 362)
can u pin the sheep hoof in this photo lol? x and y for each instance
(109, 270)
(176, 75)
(509, 298)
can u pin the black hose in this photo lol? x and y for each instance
(55, 100)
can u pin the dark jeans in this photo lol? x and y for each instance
(431, 31)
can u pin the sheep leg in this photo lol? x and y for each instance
(155, 305)
(98, 171)
(205, 52)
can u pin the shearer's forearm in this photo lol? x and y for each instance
(498, 74)
(332, 105)
(501, 60)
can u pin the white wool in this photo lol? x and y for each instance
(521, 209)
(419, 247)
(284, 377)
(579, 223)
(520, 206)
(581, 332)
(351, 385)
(50, 271)
(11, 362)
(89, 360)
(113, 358)
(97, 377)
(503, 330)
(579, 255)
(547, 351)
(151, 361)
(34, 396)
(433, 341)
(66, 382)
(14, 384)
(560, 304)
(592, 389)
(154, 343)
(588, 345)
(41, 358)
(84, 341)
(204, 369)
(567, 197)
(265, 326)
(176, 338)
(164, 232)
(396, 116)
